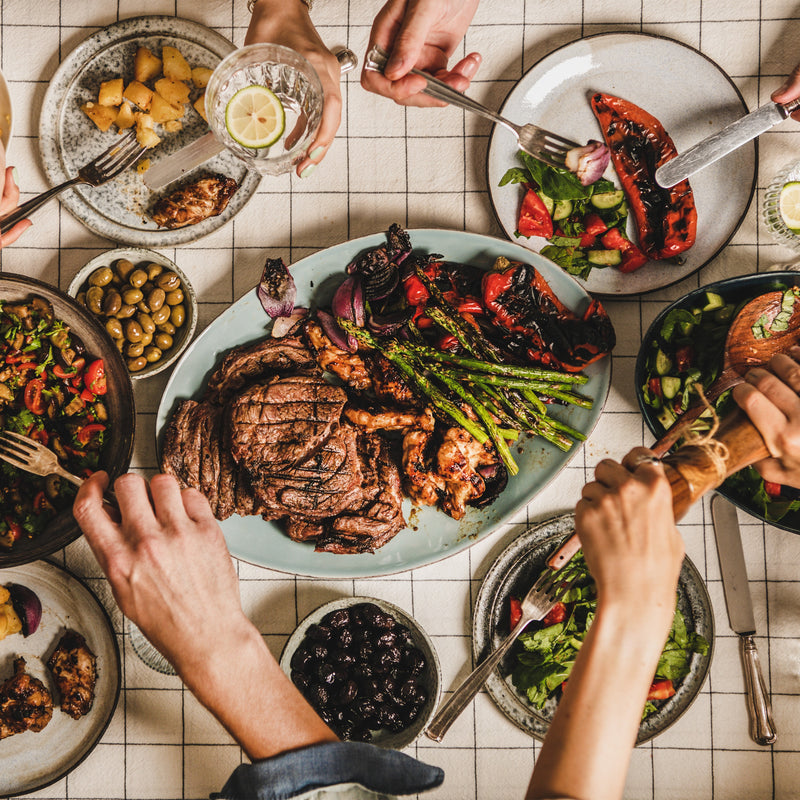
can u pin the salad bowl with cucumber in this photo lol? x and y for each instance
(691, 342)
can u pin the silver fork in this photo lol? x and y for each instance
(25, 453)
(535, 141)
(539, 601)
(121, 155)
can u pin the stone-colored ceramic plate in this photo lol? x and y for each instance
(68, 139)
(514, 571)
(34, 760)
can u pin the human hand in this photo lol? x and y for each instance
(422, 34)
(287, 22)
(9, 201)
(770, 398)
(627, 530)
(167, 563)
(789, 91)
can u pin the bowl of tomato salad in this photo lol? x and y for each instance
(63, 384)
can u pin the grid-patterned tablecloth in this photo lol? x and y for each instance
(161, 743)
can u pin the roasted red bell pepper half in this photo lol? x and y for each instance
(666, 218)
(534, 218)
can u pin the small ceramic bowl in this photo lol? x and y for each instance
(773, 218)
(139, 255)
(430, 679)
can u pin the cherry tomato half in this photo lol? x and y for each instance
(34, 401)
(534, 219)
(95, 377)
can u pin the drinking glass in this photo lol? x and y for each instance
(294, 82)
(772, 212)
(147, 653)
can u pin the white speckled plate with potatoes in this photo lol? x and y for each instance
(68, 139)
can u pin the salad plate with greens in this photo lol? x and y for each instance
(528, 683)
(684, 346)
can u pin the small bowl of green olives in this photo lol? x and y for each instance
(145, 303)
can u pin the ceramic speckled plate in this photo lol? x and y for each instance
(34, 760)
(514, 571)
(692, 97)
(68, 138)
(431, 535)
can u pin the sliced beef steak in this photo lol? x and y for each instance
(281, 423)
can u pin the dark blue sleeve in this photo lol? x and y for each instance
(291, 774)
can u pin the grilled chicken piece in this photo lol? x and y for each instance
(423, 485)
(74, 667)
(388, 384)
(25, 703)
(394, 419)
(195, 202)
(349, 367)
(457, 461)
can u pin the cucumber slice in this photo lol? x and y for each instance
(724, 314)
(713, 301)
(663, 362)
(606, 200)
(562, 210)
(604, 258)
(670, 386)
(548, 201)
(666, 416)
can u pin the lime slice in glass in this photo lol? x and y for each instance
(789, 204)
(254, 117)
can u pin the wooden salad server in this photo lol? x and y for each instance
(742, 352)
(694, 469)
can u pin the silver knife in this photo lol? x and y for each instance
(740, 615)
(725, 141)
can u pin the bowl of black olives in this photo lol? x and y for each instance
(367, 668)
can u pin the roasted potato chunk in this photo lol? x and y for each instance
(139, 95)
(110, 93)
(175, 92)
(200, 76)
(102, 116)
(145, 65)
(174, 65)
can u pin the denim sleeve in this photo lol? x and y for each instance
(296, 773)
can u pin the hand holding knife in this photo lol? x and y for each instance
(740, 615)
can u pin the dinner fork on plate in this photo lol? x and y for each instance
(541, 597)
(535, 141)
(25, 453)
(110, 163)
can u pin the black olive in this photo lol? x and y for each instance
(319, 633)
(345, 729)
(397, 725)
(373, 689)
(361, 635)
(318, 695)
(319, 651)
(408, 691)
(403, 634)
(366, 612)
(326, 715)
(387, 716)
(300, 680)
(361, 670)
(301, 659)
(410, 713)
(386, 658)
(341, 658)
(386, 639)
(347, 693)
(344, 638)
(326, 673)
(366, 652)
(337, 619)
(366, 708)
(414, 661)
(361, 734)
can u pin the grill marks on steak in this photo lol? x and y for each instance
(269, 438)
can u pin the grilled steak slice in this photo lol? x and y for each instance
(25, 702)
(180, 454)
(204, 198)
(74, 667)
(242, 365)
(302, 530)
(283, 422)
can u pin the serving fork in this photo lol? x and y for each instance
(25, 453)
(541, 597)
(535, 141)
(110, 163)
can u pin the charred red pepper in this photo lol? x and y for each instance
(661, 690)
(666, 218)
(534, 218)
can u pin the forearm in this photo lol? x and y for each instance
(278, 21)
(588, 745)
(245, 689)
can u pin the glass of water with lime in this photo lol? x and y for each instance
(264, 103)
(782, 206)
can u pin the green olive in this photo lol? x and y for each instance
(142, 307)
(153, 271)
(166, 327)
(81, 298)
(146, 321)
(101, 277)
(178, 315)
(94, 299)
(147, 338)
(163, 341)
(116, 281)
(168, 281)
(112, 303)
(152, 354)
(156, 298)
(132, 296)
(133, 331)
(124, 267)
(174, 297)
(161, 315)
(137, 278)
(134, 349)
(120, 343)
(137, 364)
(114, 328)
